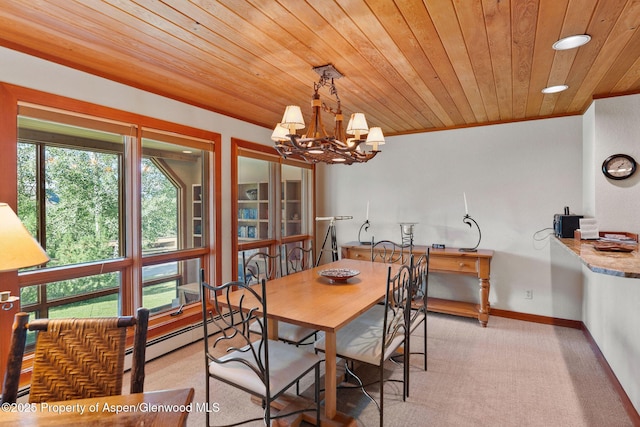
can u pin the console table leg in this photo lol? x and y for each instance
(483, 313)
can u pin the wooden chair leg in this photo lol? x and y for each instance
(139, 351)
(14, 364)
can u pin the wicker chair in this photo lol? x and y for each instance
(262, 367)
(76, 358)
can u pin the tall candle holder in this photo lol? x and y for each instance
(406, 233)
(364, 225)
(468, 220)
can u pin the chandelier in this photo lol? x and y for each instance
(316, 145)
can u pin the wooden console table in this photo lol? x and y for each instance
(449, 260)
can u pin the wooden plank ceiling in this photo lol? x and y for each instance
(410, 65)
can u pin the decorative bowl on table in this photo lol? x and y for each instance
(252, 194)
(339, 275)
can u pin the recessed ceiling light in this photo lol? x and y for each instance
(555, 89)
(572, 42)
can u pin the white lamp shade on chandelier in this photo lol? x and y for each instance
(375, 138)
(357, 125)
(292, 118)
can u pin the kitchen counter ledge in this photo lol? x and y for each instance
(623, 264)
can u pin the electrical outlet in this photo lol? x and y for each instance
(528, 294)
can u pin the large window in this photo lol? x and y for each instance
(70, 196)
(76, 191)
(173, 213)
(69, 188)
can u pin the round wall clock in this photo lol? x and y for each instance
(619, 166)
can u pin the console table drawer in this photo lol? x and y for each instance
(359, 254)
(453, 265)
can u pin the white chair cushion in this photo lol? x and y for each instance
(293, 333)
(286, 364)
(287, 331)
(361, 339)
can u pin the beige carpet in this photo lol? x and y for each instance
(512, 373)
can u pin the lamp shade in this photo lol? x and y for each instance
(280, 133)
(292, 118)
(18, 249)
(375, 137)
(357, 124)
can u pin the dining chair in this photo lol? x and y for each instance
(76, 358)
(261, 265)
(376, 335)
(264, 368)
(298, 258)
(417, 313)
(390, 252)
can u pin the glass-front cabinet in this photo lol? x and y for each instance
(254, 199)
(273, 202)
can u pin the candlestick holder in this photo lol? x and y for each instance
(364, 225)
(468, 220)
(406, 233)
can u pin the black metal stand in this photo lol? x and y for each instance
(468, 220)
(364, 225)
(331, 231)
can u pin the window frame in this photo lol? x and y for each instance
(130, 265)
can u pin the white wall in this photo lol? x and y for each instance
(24, 70)
(611, 304)
(617, 130)
(516, 177)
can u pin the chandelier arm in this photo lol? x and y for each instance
(344, 147)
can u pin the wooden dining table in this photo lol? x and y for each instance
(162, 408)
(308, 299)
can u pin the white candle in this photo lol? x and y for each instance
(367, 210)
(466, 209)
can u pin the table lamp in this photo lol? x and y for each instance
(18, 249)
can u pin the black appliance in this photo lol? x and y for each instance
(565, 224)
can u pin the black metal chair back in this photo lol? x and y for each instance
(417, 309)
(397, 306)
(232, 324)
(298, 258)
(261, 266)
(390, 252)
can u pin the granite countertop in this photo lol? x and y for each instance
(623, 264)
